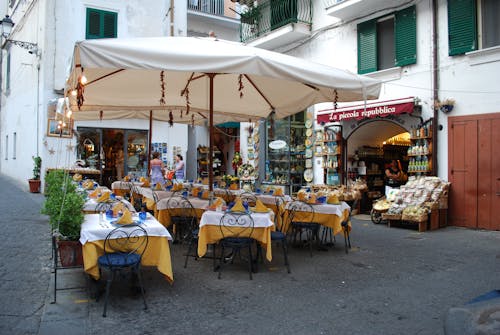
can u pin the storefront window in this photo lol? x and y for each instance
(136, 160)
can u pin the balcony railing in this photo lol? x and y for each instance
(271, 15)
(215, 7)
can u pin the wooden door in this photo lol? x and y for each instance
(462, 173)
(474, 171)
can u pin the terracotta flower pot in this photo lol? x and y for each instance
(35, 185)
(70, 253)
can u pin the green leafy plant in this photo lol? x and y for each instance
(63, 204)
(37, 166)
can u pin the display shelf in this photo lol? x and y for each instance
(285, 166)
(420, 152)
(330, 140)
(203, 161)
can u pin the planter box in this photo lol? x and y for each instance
(34, 185)
(70, 253)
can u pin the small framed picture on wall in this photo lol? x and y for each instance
(54, 128)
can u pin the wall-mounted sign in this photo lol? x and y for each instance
(277, 144)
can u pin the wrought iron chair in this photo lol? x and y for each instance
(236, 229)
(248, 197)
(280, 235)
(345, 227)
(183, 218)
(135, 196)
(123, 250)
(224, 194)
(300, 220)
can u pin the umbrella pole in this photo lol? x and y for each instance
(211, 135)
(150, 145)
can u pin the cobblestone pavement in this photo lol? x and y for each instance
(393, 281)
(25, 259)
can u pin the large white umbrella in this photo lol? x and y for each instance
(200, 81)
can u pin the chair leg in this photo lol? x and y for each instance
(346, 236)
(285, 253)
(139, 276)
(221, 260)
(108, 286)
(250, 260)
(188, 253)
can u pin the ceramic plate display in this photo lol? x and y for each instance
(309, 132)
(256, 155)
(309, 163)
(256, 138)
(319, 136)
(308, 143)
(308, 175)
(309, 123)
(309, 153)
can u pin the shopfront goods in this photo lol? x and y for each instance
(420, 151)
(328, 146)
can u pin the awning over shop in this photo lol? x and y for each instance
(371, 110)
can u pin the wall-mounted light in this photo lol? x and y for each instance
(6, 28)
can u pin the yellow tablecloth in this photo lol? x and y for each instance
(328, 220)
(156, 254)
(163, 215)
(210, 234)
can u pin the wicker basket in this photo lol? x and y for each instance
(412, 218)
(443, 202)
(387, 216)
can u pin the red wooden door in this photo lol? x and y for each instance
(474, 171)
(462, 173)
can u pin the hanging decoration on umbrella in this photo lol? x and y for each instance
(80, 88)
(271, 124)
(240, 85)
(335, 99)
(188, 103)
(162, 99)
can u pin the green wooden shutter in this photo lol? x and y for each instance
(462, 31)
(367, 47)
(101, 24)
(405, 36)
(109, 26)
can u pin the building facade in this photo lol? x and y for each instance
(33, 78)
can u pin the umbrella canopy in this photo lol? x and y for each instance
(200, 81)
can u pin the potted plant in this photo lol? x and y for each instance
(64, 206)
(446, 105)
(35, 182)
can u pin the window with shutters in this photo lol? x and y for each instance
(388, 41)
(472, 25)
(101, 24)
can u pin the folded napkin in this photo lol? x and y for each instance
(150, 203)
(260, 207)
(126, 178)
(278, 192)
(117, 208)
(104, 197)
(195, 191)
(312, 198)
(144, 181)
(77, 177)
(177, 187)
(216, 203)
(126, 218)
(158, 187)
(93, 194)
(205, 194)
(88, 184)
(233, 186)
(302, 195)
(333, 200)
(238, 206)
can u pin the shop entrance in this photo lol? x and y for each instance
(370, 149)
(115, 152)
(474, 171)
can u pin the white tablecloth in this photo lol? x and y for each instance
(95, 228)
(261, 220)
(124, 185)
(196, 202)
(147, 192)
(271, 199)
(331, 209)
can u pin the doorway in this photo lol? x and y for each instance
(115, 152)
(474, 171)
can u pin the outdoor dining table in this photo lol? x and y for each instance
(95, 229)
(328, 215)
(122, 188)
(210, 230)
(163, 214)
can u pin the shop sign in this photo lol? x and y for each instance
(359, 112)
(277, 144)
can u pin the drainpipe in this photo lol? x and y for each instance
(435, 85)
(171, 18)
